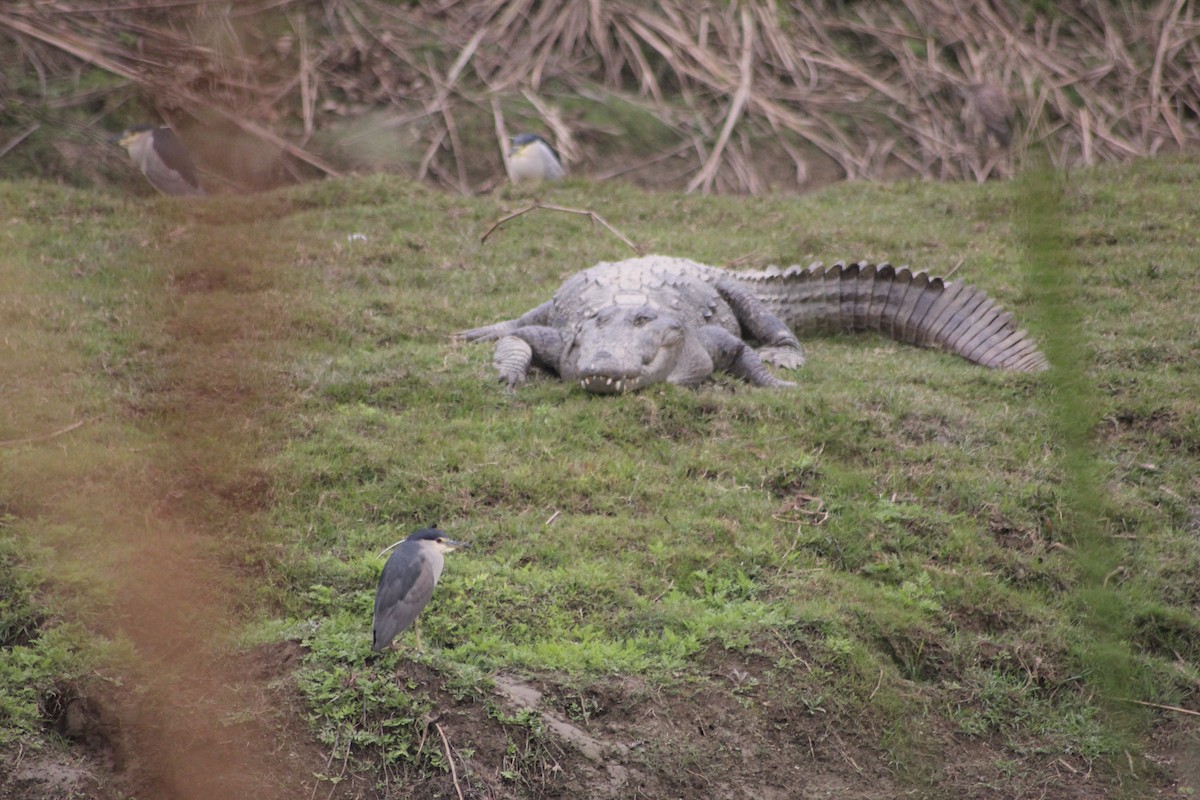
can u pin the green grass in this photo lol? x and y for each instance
(903, 537)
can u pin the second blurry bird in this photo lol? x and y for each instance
(162, 158)
(407, 582)
(988, 111)
(533, 159)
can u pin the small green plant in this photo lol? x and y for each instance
(358, 706)
(528, 760)
(30, 672)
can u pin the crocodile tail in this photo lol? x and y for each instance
(908, 306)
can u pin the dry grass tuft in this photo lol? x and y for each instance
(943, 89)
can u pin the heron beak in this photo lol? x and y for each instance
(456, 545)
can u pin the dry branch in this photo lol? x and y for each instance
(450, 760)
(592, 215)
(704, 179)
(45, 436)
(1160, 706)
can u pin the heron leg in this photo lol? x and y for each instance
(417, 633)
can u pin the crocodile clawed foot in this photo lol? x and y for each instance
(785, 357)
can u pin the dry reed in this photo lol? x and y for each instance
(941, 89)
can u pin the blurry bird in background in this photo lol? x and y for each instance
(162, 158)
(988, 113)
(533, 159)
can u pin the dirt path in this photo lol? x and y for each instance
(208, 731)
(161, 497)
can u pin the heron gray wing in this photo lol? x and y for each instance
(405, 587)
(172, 152)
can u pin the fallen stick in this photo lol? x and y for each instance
(1176, 709)
(44, 436)
(450, 758)
(641, 251)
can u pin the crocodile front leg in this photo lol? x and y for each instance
(531, 345)
(732, 355)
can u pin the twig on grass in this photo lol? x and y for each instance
(791, 652)
(663, 593)
(641, 251)
(878, 683)
(808, 510)
(450, 758)
(1160, 706)
(325, 771)
(45, 436)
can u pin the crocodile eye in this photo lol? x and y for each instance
(642, 317)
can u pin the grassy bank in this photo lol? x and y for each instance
(892, 575)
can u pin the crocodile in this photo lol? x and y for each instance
(622, 326)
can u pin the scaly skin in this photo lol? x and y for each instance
(619, 327)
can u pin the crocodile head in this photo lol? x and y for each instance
(626, 348)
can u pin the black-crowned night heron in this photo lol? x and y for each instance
(533, 159)
(988, 109)
(162, 158)
(407, 582)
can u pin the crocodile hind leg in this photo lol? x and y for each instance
(732, 355)
(779, 345)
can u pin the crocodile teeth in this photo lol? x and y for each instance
(605, 385)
